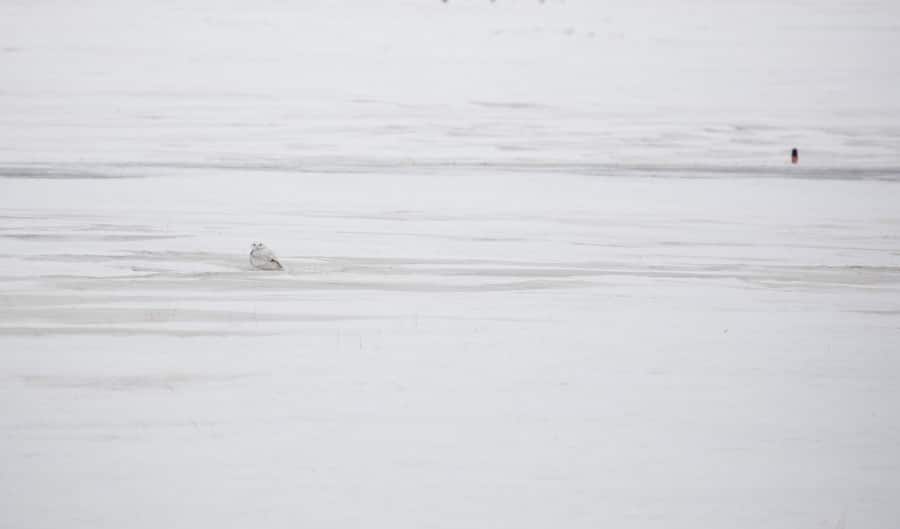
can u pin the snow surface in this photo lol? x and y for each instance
(547, 264)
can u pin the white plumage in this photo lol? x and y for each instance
(262, 257)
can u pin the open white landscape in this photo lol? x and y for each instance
(546, 264)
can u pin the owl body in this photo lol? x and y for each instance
(261, 257)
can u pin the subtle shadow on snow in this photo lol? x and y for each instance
(161, 381)
(534, 165)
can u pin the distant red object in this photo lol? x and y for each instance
(795, 157)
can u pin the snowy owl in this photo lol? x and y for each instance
(262, 257)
